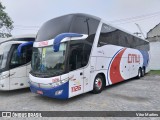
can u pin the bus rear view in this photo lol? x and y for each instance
(70, 57)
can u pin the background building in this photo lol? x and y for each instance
(153, 36)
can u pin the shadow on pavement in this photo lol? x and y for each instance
(14, 92)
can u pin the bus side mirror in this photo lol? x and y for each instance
(70, 66)
(60, 37)
(19, 50)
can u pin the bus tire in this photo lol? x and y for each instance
(98, 84)
(143, 72)
(139, 73)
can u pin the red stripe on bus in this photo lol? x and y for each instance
(115, 74)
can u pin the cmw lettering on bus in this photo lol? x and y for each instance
(133, 58)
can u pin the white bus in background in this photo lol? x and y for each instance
(2, 39)
(78, 53)
(14, 66)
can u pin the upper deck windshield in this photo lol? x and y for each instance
(75, 23)
(46, 62)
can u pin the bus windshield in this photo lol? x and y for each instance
(48, 63)
(4, 50)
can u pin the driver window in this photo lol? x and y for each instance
(79, 55)
(20, 60)
(76, 56)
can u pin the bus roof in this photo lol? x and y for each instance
(104, 21)
(15, 38)
(70, 23)
(63, 24)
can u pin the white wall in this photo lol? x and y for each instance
(154, 32)
(155, 55)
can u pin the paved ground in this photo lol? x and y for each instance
(132, 95)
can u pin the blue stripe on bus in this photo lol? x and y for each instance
(145, 57)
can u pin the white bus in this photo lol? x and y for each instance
(78, 53)
(14, 68)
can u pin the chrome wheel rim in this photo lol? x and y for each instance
(139, 73)
(98, 83)
(142, 72)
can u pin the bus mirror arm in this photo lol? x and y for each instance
(19, 50)
(60, 37)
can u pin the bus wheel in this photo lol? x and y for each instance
(139, 73)
(143, 72)
(98, 84)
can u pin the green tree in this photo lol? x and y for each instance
(6, 24)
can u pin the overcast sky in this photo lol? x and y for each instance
(29, 15)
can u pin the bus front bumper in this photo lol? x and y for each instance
(60, 92)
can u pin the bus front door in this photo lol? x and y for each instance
(18, 78)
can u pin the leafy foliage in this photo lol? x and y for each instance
(5, 23)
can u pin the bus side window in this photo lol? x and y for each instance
(107, 36)
(25, 57)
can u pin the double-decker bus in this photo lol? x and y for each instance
(14, 65)
(78, 53)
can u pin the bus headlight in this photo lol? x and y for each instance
(60, 82)
(63, 81)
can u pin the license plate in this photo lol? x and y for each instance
(40, 92)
